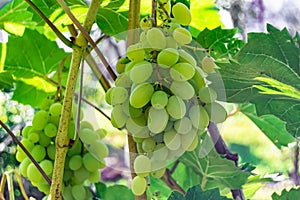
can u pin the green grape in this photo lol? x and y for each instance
(118, 117)
(47, 166)
(75, 162)
(54, 120)
(135, 53)
(90, 162)
(138, 130)
(182, 72)
(171, 43)
(194, 145)
(148, 144)
(75, 149)
(137, 139)
(199, 78)
(95, 176)
(167, 57)
(162, 7)
(33, 173)
(40, 120)
(157, 120)
(159, 99)
(34, 136)
(51, 151)
(86, 124)
(157, 165)
(175, 153)
(78, 192)
(68, 174)
(208, 65)
(72, 130)
(183, 126)
(199, 117)
(38, 152)
(23, 166)
(131, 111)
(169, 126)
(50, 130)
(120, 66)
(46, 103)
(123, 80)
(141, 95)
(139, 148)
(145, 23)
(20, 156)
(108, 95)
(172, 25)
(67, 193)
(216, 112)
(182, 14)
(44, 140)
(138, 185)
(142, 165)
(160, 152)
(141, 72)
(207, 95)
(129, 66)
(156, 39)
(55, 109)
(172, 139)
(182, 36)
(187, 139)
(27, 144)
(101, 132)
(158, 173)
(176, 107)
(183, 90)
(98, 149)
(25, 131)
(44, 187)
(118, 95)
(80, 175)
(186, 57)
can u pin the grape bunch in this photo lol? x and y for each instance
(161, 96)
(83, 160)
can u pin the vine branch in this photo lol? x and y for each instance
(222, 149)
(170, 182)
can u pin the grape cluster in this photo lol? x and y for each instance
(161, 96)
(83, 160)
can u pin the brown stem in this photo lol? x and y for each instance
(294, 175)
(171, 183)
(153, 15)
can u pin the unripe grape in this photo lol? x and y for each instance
(171, 43)
(38, 152)
(90, 162)
(25, 131)
(158, 173)
(78, 192)
(156, 39)
(131, 111)
(183, 90)
(118, 95)
(50, 130)
(23, 167)
(187, 139)
(141, 95)
(182, 71)
(160, 152)
(199, 78)
(172, 139)
(55, 109)
(47, 166)
(120, 66)
(40, 120)
(138, 185)
(51, 151)
(157, 120)
(141, 72)
(159, 99)
(138, 130)
(208, 65)
(95, 176)
(216, 112)
(118, 117)
(167, 57)
(44, 140)
(199, 117)
(33, 173)
(142, 165)
(176, 107)
(194, 144)
(183, 125)
(135, 53)
(67, 193)
(108, 95)
(75, 162)
(123, 80)
(186, 57)
(80, 175)
(182, 14)
(34, 136)
(75, 149)
(99, 150)
(148, 144)
(207, 95)
(182, 36)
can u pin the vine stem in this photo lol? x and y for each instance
(222, 149)
(62, 140)
(170, 182)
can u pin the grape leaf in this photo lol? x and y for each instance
(195, 193)
(287, 195)
(113, 193)
(111, 22)
(6, 80)
(37, 56)
(270, 125)
(212, 169)
(14, 17)
(113, 4)
(258, 73)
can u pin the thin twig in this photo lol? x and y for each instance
(222, 149)
(171, 183)
(16, 140)
(67, 42)
(172, 170)
(153, 15)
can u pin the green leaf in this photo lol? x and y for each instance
(212, 169)
(158, 187)
(6, 80)
(270, 125)
(28, 94)
(195, 193)
(287, 195)
(113, 4)
(220, 42)
(272, 56)
(32, 55)
(114, 192)
(14, 17)
(100, 189)
(111, 22)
